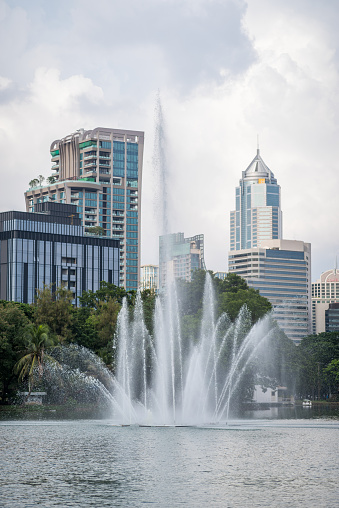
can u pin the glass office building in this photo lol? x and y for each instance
(281, 271)
(257, 215)
(49, 247)
(179, 257)
(100, 171)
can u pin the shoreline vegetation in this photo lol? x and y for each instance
(29, 334)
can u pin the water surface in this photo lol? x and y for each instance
(263, 463)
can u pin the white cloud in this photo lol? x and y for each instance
(226, 71)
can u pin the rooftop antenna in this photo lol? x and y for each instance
(258, 149)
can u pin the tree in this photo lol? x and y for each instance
(54, 308)
(13, 322)
(37, 340)
(41, 178)
(33, 183)
(51, 179)
(232, 301)
(107, 290)
(96, 230)
(315, 353)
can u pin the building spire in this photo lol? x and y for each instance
(258, 149)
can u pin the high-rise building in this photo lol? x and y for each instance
(324, 292)
(257, 215)
(49, 247)
(332, 318)
(149, 278)
(280, 270)
(180, 256)
(100, 171)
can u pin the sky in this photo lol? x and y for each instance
(226, 71)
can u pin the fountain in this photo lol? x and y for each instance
(165, 380)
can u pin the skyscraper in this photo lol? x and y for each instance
(257, 215)
(280, 269)
(100, 171)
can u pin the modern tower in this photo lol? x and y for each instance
(48, 246)
(100, 171)
(179, 257)
(280, 269)
(257, 215)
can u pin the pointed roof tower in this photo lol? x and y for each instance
(258, 169)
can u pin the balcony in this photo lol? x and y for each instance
(90, 164)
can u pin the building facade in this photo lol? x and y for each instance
(257, 215)
(324, 292)
(281, 271)
(179, 257)
(149, 278)
(49, 247)
(100, 171)
(332, 318)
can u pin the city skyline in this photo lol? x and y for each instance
(233, 70)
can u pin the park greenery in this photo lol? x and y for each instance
(30, 335)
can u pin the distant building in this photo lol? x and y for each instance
(149, 278)
(324, 291)
(257, 215)
(49, 247)
(221, 275)
(281, 271)
(180, 256)
(100, 171)
(332, 318)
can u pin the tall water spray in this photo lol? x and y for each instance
(160, 170)
(160, 380)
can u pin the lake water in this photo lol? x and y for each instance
(92, 463)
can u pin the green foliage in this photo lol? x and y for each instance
(54, 309)
(148, 297)
(13, 322)
(317, 355)
(96, 230)
(232, 301)
(92, 299)
(37, 340)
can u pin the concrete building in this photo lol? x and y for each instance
(324, 292)
(49, 247)
(149, 278)
(257, 215)
(180, 256)
(100, 171)
(281, 271)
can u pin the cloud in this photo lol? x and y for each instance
(227, 70)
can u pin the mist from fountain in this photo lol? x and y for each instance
(163, 380)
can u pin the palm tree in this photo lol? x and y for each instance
(37, 340)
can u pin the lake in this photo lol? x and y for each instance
(258, 462)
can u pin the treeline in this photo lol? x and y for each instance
(311, 369)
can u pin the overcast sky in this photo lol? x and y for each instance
(227, 70)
